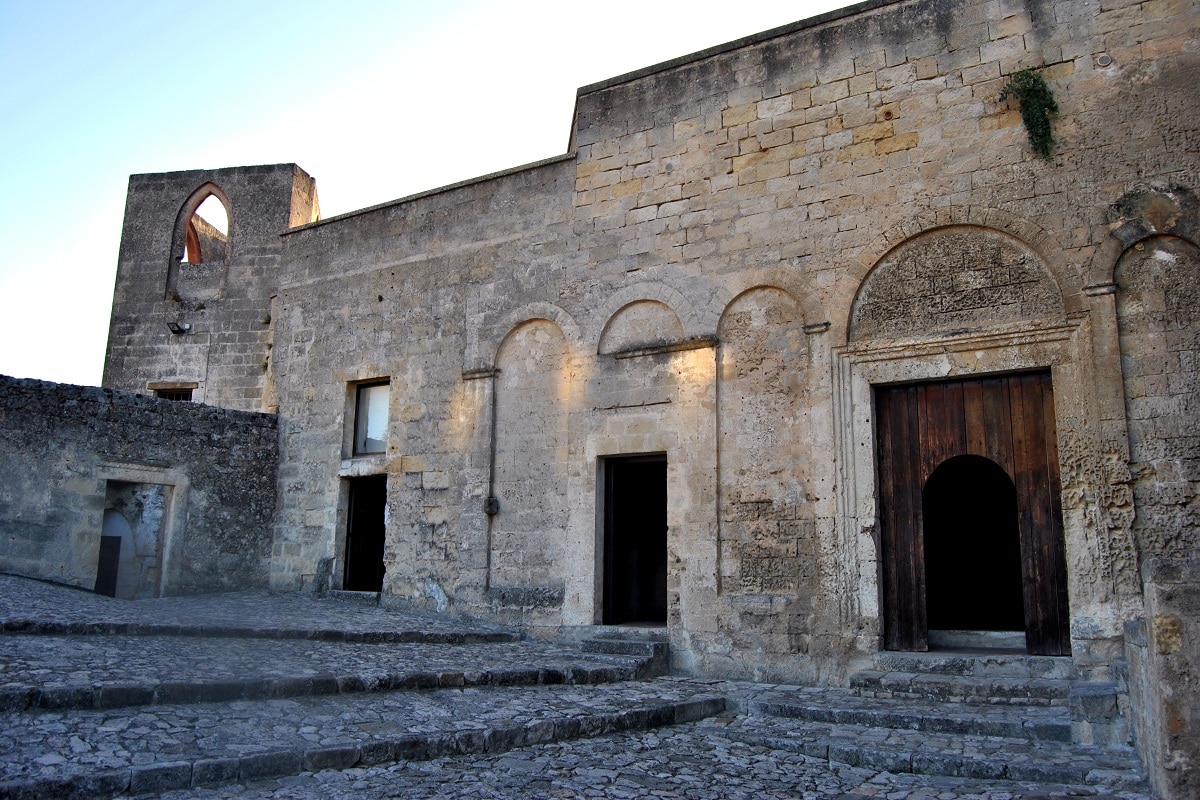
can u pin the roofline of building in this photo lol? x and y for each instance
(737, 44)
(208, 170)
(491, 176)
(757, 38)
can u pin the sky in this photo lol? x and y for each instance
(375, 99)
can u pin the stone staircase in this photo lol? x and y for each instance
(102, 698)
(648, 644)
(108, 698)
(979, 716)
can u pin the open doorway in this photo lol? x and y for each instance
(635, 539)
(972, 548)
(365, 528)
(970, 512)
(129, 561)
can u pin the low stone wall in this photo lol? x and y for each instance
(1164, 676)
(188, 489)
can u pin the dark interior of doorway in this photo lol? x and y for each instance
(635, 539)
(364, 534)
(107, 566)
(972, 548)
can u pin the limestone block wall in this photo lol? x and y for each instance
(1159, 315)
(1164, 653)
(202, 478)
(803, 158)
(739, 247)
(383, 294)
(1159, 340)
(221, 304)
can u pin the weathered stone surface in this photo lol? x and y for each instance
(70, 456)
(222, 300)
(740, 247)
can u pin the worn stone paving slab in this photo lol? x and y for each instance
(112, 671)
(820, 704)
(925, 753)
(37, 607)
(683, 761)
(963, 689)
(977, 664)
(172, 746)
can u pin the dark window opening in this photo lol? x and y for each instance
(184, 395)
(635, 539)
(365, 530)
(972, 547)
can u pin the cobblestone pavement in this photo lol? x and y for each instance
(684, 761)
(108, 671)
(58, 745)
(27, 604)
(367, 718)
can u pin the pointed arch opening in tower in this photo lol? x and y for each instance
(207, 237)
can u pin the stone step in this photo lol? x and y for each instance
(921, 752)
(978, 665)
(61, 672)
(653, 656)
(230, 631)
(349, 596)
(844, 707)
(30, 606)
(158, 748)
(962, 689)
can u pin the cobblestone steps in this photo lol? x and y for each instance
(62, 672)
(29, 606)
(679, 761)
(843, 707)
(281, 690)
(963, 689)
(979, 716)
(156, 748)
(978, 665)
(983, 678)
(1104, 770)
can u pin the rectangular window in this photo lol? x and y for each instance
(184, 395)
(371, 418)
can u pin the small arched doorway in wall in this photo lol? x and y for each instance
(966, 429)
(972, 543)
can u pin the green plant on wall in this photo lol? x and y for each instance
(1037, 106)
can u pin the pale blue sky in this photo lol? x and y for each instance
(376, 100)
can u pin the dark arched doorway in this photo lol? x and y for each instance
(972, 544)
(1007, 421)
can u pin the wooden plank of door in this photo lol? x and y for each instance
(904, 607)
(997, 420)
(975, 437)
(1041, 535)
(1052, 637)
(885, 401)
(1024, 478)
(1062, 607)
(914, 480)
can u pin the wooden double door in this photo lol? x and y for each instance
(970, 511)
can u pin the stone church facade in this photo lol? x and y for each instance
(801, 351)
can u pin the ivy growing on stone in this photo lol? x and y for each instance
(1037, 106)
